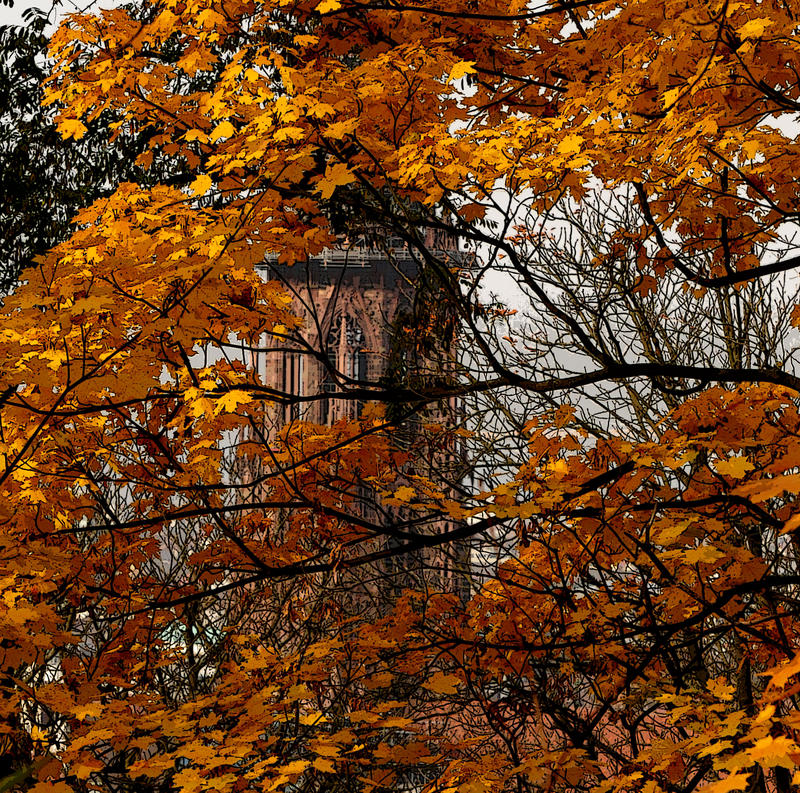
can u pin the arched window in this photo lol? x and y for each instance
(346, 353)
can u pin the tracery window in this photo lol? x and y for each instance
(346, 353)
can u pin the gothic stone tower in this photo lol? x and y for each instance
(349, 298)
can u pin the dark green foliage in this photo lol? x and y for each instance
(45, 180)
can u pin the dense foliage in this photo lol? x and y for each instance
(190, 601)
(45, 180)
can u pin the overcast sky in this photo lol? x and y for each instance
(13, 16)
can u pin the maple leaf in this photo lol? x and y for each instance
(572, 144)
(404, 493)
(781, 675)
(754, 29)
(223, 130)
(295, 768)
(71, 128)
(442, 683)
(728, 783)
(201, 185)
(703, 553)
(461, 69)
(335, 175)
(735, 467)
(196, 134)
(230, 400)
(720, 689)
(325, 765)
(339, 129)
(771, 751)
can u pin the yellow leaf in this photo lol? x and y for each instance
(90, 710)
(731, 782)
(295, 767)
(781, 675)
(714, 748)
(326, 6)
(228, 403)
(460, 69)
(720, 689)
(404, 493)
(38, 734)
(753, 29)
(71, 128)
(735, 467)
(56, 358)
(671, 96)
(201, 185)
(299, 691)
(324, 764)
(773, 751)
(765, 715)
(325, 749)
(570, 145)
(665, 533)
(223, 130)
(339, 129)
(335, 175)
(196, 134)
(441, 683)
(705, 553)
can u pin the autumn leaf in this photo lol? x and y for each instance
(295, 768)
(223, 130)
(340, 129)
(720, 689)
(735, 467)
(760, 490)
(51, 787)
(572, 144)
(336, 175)
(442, 683)
(460, 70)
(201, 185)
(71, 128)
(325, 765)
(754, 28)
(404, 493)
(474, 786)
(771, 751)
(728, 783)
(780, 676)
(230, 400)
(703, 553)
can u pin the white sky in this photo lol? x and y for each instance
(13, 16)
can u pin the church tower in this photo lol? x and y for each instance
(349, 299)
